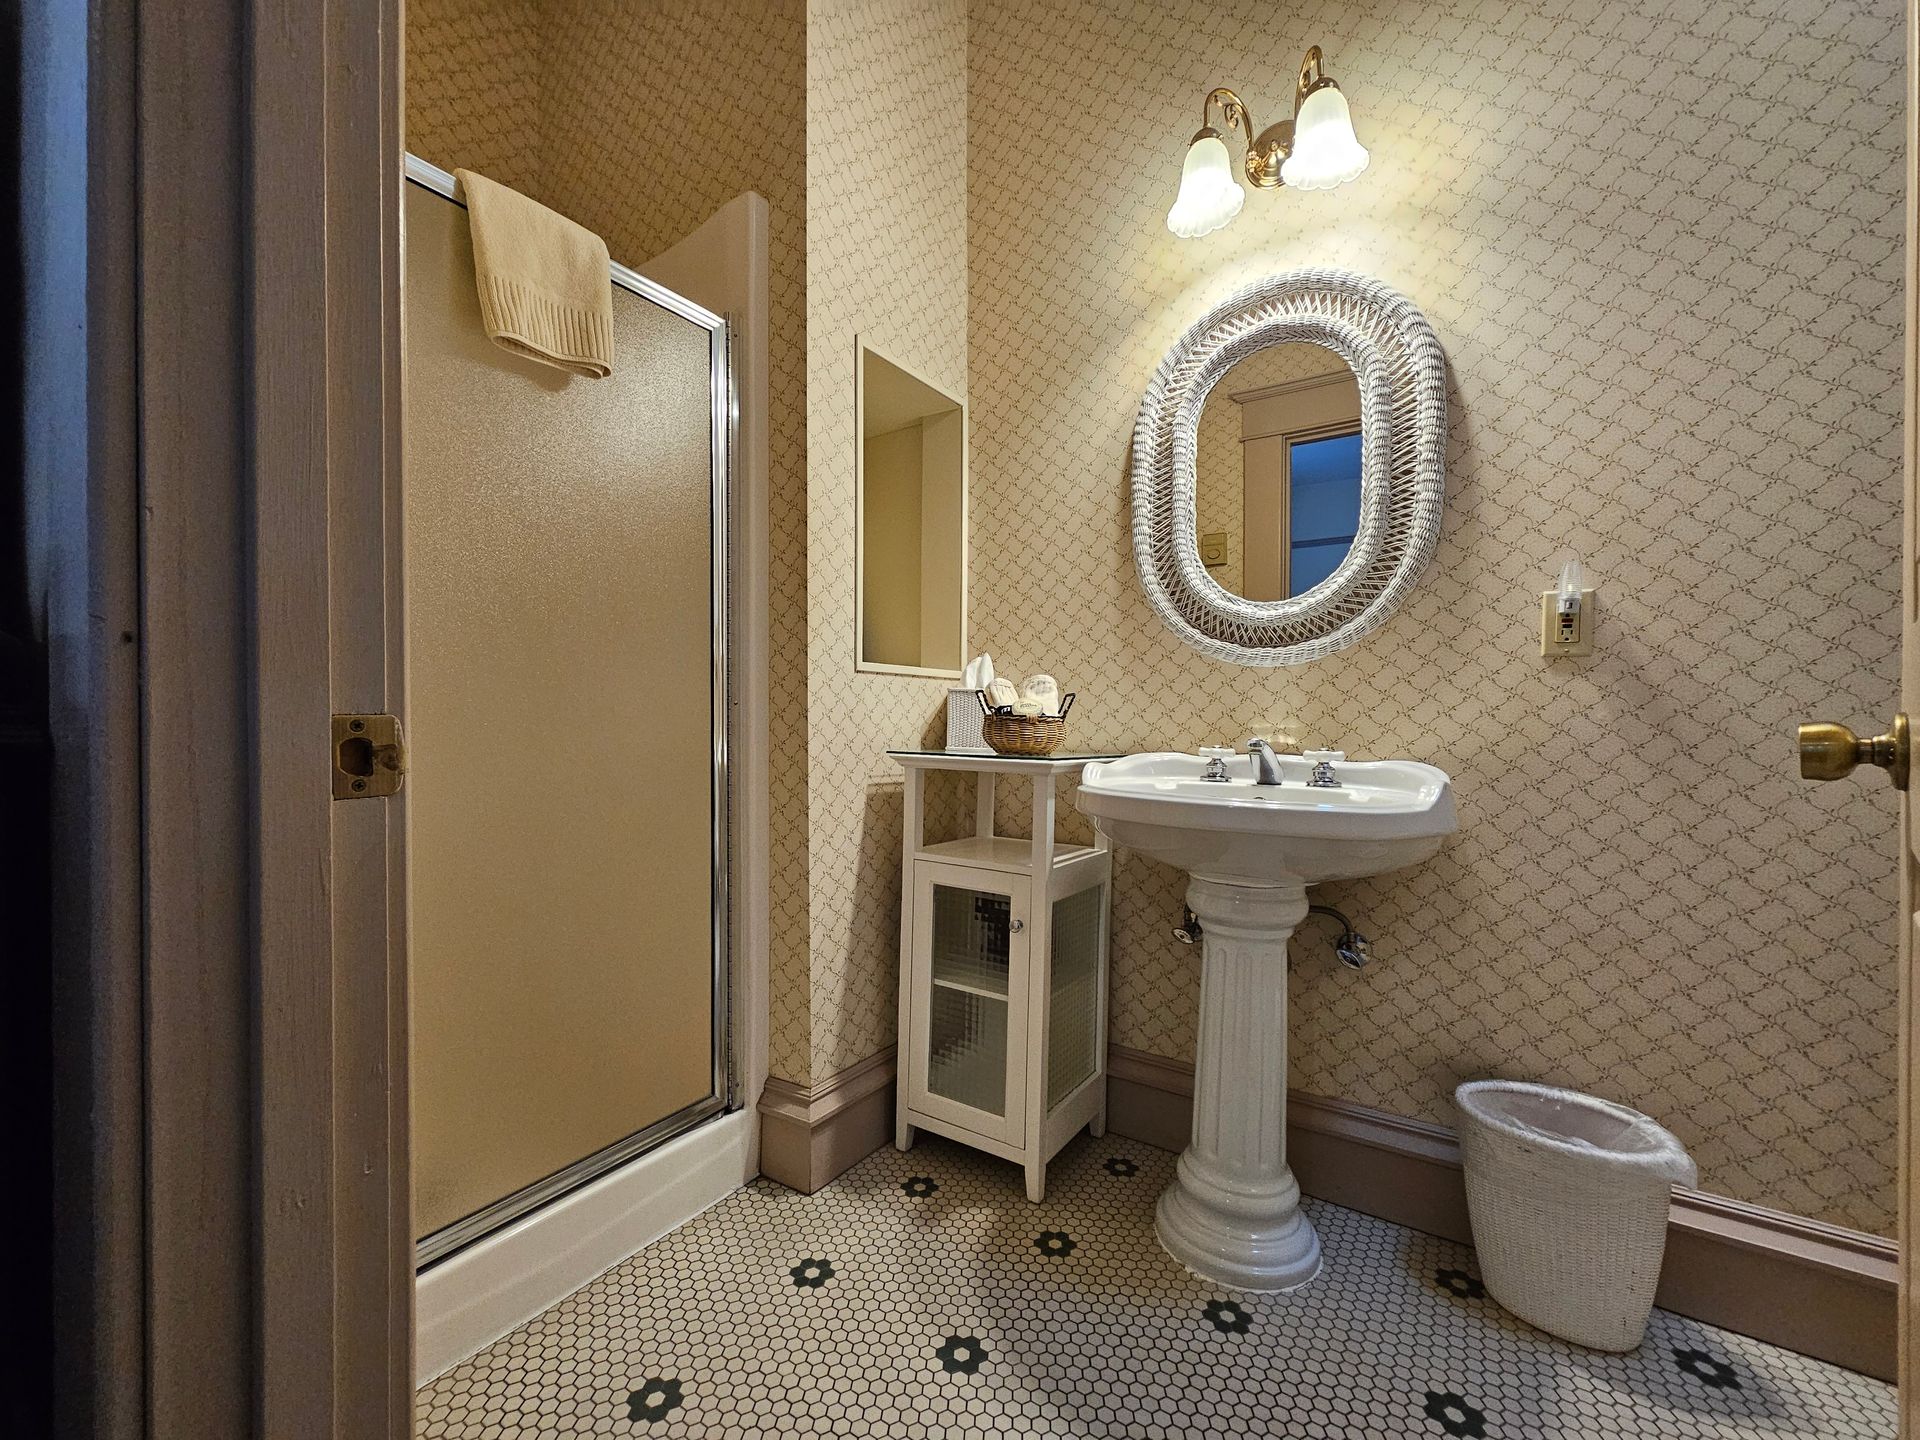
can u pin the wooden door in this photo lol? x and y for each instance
(249, 1271)
(1828, 752)
(1909, 920)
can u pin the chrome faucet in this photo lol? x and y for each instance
(1266, 768)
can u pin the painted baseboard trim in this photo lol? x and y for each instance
(1815, 1288)
(810, 1135)
(472, 1298)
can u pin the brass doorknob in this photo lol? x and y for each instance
(1828, 751)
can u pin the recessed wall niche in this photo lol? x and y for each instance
(911, 494)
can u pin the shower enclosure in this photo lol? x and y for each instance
(566, 581)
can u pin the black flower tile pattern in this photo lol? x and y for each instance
(654, 1400)
(1117, 1341)
(1054, 1242)
(962, 1354)
(812, 1274)
(1121, 1166)
(1460, 1284)
(1455, 1415)
(919, 1185)
(1227, 1317)
(1707, 1369)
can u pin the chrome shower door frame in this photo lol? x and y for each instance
(723, 1095)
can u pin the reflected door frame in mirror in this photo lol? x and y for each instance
(1397, 363)
(1247, 504)
(947, 449)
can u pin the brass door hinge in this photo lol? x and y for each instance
(369, 756)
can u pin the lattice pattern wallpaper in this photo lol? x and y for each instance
(887, 261)
(473, 87)
(647, 120)
(1672, 318)
(1220, 497)
(1705, 417)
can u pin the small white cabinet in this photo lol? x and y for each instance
(1003, 973)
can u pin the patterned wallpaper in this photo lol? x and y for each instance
(1672, 318)
(886, 261)
(1673, 332)
(473, 87)
(1220, 497)
(649, 118)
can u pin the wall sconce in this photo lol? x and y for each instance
(1314, 150)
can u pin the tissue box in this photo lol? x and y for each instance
(963, 723)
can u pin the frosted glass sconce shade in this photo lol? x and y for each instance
(1209, 195)
(1314, 149)
(1325, 150)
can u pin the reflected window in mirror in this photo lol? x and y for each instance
(1323, 495)
(910, 484)
(1278, 462)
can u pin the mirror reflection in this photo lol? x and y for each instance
(1277, 471)
(910, 484)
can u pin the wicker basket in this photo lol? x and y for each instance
(1568, 1196)
(1024, 734)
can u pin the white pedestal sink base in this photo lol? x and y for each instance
(1232, 1214)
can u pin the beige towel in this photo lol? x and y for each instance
(545, 291)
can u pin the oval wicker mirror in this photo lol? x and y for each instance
(1397, 367)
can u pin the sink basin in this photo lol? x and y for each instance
(1232, 1213)
(1385, 814)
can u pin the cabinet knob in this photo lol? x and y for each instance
(1017, 926)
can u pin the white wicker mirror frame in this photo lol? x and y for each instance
(1403, 421)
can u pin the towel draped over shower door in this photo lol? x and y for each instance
(563, 646)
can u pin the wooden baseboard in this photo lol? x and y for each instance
(1814, 1288)
(809, 1136)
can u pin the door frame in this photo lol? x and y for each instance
(230, 954)
(1908, 918)
(245, 1265)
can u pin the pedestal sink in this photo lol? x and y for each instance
(1232, 1213)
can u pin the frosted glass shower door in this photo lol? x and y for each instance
(564, 545)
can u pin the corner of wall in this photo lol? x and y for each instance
(886, 260)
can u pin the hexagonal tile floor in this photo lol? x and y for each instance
(920, 1296)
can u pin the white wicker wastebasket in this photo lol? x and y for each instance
(1568, 1196)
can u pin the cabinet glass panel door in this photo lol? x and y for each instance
(969, 1002)
(1073, 1009)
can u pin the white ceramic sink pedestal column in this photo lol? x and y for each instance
(1233, 1211)
(1233, 1214)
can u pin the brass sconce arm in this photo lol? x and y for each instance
(1267, 148)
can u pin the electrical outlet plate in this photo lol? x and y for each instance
(1582, 642)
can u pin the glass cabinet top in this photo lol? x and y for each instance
(1059, 757)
